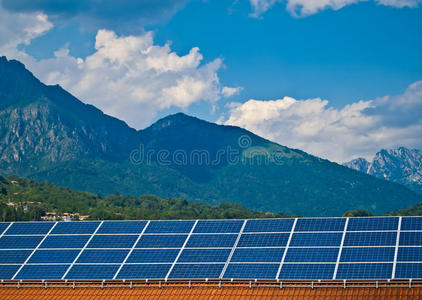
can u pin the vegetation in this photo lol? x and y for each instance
(358, 213)
(22, 199)
(415, 210)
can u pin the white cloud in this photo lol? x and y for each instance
(359, 129)
(230, 91)
(310, 7)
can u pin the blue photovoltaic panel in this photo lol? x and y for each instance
(370, 239)
(409, 254)
(316, 239)
(409, 239)
(14, 256)
(54, 256)
(3, 227)
(411, 223)
(320, 224)
(251, 271)
(257, 255)
(153, 256)
(92, 271)
(65, 241)
(161, 241)
(8, 271)
(20, 242)
(408, 271)
(102, 256)
(204, 255)
(112, 241)
(372, 224)
(269, 225)
(42, 272)
(372, 254)
(211, 240)
(263, 240)
(364, 271)
(122, 227)
(28, 228)
(144, 271)
(218, 226)
(169, 227)
(307, 271)
(312, 255)
(196, 271)
(75, 227)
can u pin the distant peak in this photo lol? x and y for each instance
(177, 119)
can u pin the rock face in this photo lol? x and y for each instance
(399, 165)
(47, 134)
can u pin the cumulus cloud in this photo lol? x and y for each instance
(359, 129)
(310, 7)
(230, 91)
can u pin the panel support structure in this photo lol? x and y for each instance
(33, 251)
(131, 250)
(181, 250)
(396, 251)
(340, 250)
(285, 249)
(233, 249)
(82, 250)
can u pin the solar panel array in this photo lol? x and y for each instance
(299, 249)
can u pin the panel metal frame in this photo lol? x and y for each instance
(340, 250)
(393, 273)
(286, 248)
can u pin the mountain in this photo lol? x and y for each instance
(399, 165)
(47, 134)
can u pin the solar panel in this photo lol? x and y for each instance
(218, 226)
(116, 227)
(317, 248)
(364, 271)
(181, 271)
(251, 271)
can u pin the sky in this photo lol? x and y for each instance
(339, 79)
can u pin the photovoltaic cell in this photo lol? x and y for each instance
(28, 228)
(370, 239)
(102, 256)
(20, 242)
(409, 254)
(42, 272)
(169, 227)
(122, 227)
(204, 255)
(411, 223)
(312, 255)
(218, 226)
(409, 239)
(320, 224)
(161, 241)
(370, 224)
(364, 271)
(307, 271)
(92, 271)
(316, 239)
(54, 256)
(144, 271)
(7, 271)
(269, 225)
(3, 227)
(367, 254)
(153, 256)
(75, 227)
(14, 256)
(408, 271)
(211, 240)
(251, 271)
(196, 271)
(257, 255)
(112, 241)
(263, 240)
(65, 241)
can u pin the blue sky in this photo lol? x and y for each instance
(319, 76)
